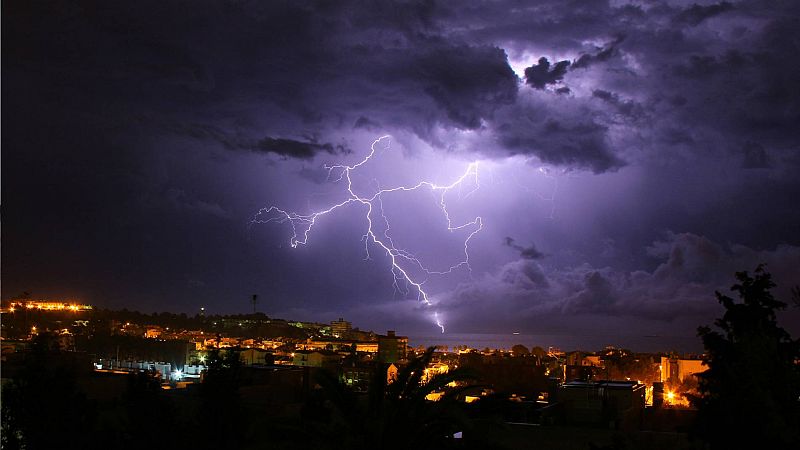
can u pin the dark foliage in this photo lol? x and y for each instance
(221, 416)
(392, 415)
(750, 390)
(149, 416)
(42, 407)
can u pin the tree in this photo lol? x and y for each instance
(149, 415)
(43, 407)
(749, 394)
(519, 350)
(221, 410)
(392, 415)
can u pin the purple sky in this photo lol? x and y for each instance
(632, 156)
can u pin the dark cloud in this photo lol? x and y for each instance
(366, 123)
(468, 83)
(625, 107)
(696, 14)
(541, 74)
(263, 76)
(292, 148)
(755, 156)
(155, 131)
(183, 201)
(701, 66)
(596, 295)
(529, 252)
(524, 274)
(566, 141)
(297, 149)
(602, 54)
(681, 287)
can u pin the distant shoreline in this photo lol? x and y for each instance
(642, 343)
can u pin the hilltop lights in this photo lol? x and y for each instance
(44, 305)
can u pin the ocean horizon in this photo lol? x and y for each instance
(636, 343)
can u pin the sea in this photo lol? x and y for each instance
(635, 343)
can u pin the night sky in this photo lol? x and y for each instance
(631, 157)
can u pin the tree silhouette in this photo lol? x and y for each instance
(519, 350)
(149, 416)
(392, 415)
(749, 394)
(42, 407)
(221, 412)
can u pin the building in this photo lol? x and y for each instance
(153, 332)
(341, 328)
(392, 348)
(253, 356)
(367, 347)
(10, 347)
(583, 372)
(676, 371)
(613, 404)
(314, 358)
(358, 374)
(592, 360)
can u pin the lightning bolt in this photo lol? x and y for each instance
(551, 198)
(401, 260)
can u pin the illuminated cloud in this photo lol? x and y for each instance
(156, 138)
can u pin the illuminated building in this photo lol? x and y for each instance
(391, 373)
(153, 332)
(392, 348)
(675, 371)
(358, 375)
(434, 396)
(315, 358)
(253, 356)
(434, 370)
(367, 347)
(592, 360)
(341, 328)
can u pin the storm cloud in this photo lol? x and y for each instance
(648, 149)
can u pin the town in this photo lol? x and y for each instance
(535, 391)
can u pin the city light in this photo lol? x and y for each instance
(45, 305)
